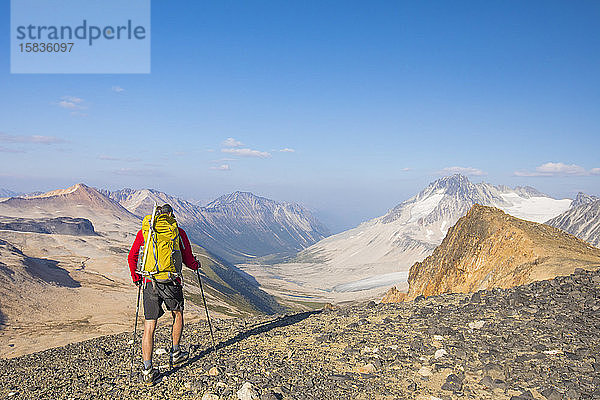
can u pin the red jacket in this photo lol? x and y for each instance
(184, 245)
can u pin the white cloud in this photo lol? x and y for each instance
(117, 89)
(67, 104)
(406, 169)
(287, 150)
(222, 167)
(73, 99)
(29, 139)
(559, 169)
(468, 171)
(71, 103)
(231, 142)
(247, 153)
(111, 158)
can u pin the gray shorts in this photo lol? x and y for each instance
(170, 293)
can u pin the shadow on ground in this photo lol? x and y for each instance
(50, 272)
(257, 330)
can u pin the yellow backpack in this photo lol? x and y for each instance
(162, 255)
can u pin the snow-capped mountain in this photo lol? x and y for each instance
(583, 198)
(236, 227)
(582, 219)
(380, 252)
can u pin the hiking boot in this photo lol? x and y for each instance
(178, 357)
(150, 376)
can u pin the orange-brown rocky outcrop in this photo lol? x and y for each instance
(488, 248)
(393, 296)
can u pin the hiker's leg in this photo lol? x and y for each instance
(148, 339)
(177, 326)
(178, 355)
(152, 312)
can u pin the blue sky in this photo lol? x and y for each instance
(375, 100)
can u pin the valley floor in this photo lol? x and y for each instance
(300, 286)
(538, 341)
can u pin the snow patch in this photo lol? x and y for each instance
(423, 208)
(536, 209)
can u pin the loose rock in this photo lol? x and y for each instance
(247, 392)
(440, 353)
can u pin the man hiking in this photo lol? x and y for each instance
(155, 261)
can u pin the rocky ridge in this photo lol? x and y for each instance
(537, 341)
(488, 248)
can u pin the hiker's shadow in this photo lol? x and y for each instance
(257, 330)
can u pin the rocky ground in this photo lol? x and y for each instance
(540, 341)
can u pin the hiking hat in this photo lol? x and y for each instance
(166, 209)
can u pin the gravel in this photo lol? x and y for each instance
(538, 341)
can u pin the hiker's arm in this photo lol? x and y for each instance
(186, 251)
(133, 256)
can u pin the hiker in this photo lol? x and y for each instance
(161, 280)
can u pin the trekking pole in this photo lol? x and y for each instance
(137, 310)
(206, 309)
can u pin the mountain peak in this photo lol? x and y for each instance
(583, 198)
(459, 178)
(71, 189)
(453, 184)
(450, 180)
(240, 195)
(236, 197)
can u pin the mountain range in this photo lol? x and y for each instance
(67, 250)
(237, 227)
(379, 253)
